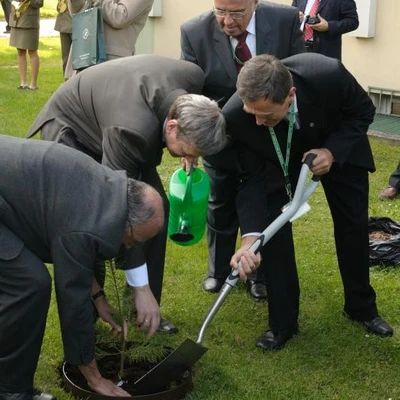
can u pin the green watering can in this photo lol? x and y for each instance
(188, 200)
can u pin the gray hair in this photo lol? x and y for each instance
(139, 209)
(264, 77)
(200, 123)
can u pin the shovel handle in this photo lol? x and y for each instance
(301, 195)
(308, 161)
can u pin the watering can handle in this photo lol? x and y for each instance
(188, 188)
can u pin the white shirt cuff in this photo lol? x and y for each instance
(252, 234)
(137, 276)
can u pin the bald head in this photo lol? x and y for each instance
(145, 213)
(153, 224)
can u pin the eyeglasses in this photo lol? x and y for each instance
(233, 14)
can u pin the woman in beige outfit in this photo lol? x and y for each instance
(123, 21)
(25, 22)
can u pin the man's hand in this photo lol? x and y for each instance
(322, 163)
(188, 163)
(99, 384)
(106, 312)
(301, 16)
(322, 26)
(249, 261)
(148, 310)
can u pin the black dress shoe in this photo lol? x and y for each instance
(378, 326)
(34, 394)
(275, 340)
(213, 285)
(167, 327)
(257, 290)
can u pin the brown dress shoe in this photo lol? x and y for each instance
(388, 194)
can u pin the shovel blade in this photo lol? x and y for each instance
(172, 367)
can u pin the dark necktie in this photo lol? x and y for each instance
(242, 52)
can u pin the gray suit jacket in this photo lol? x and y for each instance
(204, 43)
(68, 210)
(117, 109)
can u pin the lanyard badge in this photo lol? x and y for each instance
(285, 163)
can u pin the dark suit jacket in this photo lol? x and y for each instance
(334, 110)
(342, 18)
(204, 43)
(68, 210)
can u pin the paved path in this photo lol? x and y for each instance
(46, 28)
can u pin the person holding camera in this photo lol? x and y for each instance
(324, 22)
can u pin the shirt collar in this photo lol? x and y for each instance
(296, 114)
(251, 28)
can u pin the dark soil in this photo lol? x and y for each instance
(380, 235)
(109, 367)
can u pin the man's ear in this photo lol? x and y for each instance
(170, 126)
(292, 93)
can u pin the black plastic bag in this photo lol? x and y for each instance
(384, 245)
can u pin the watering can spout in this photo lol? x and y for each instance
(182, 236)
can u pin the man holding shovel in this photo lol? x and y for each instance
(282, 111)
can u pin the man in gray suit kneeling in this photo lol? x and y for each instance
(59, 206)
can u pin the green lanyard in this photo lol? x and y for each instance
(285, 163)
(235, 57)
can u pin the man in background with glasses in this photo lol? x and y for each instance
(220, 41)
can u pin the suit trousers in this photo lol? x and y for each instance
(346, 189)
(25, 290)
(154, 249)
(279, 267)
(66, 41)
(222, 221)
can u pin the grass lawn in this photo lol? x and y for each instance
(331, 358)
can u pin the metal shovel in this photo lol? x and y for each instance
(189, 352)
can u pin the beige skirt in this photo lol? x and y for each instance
(24, 38)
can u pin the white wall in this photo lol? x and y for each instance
(374, 61)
